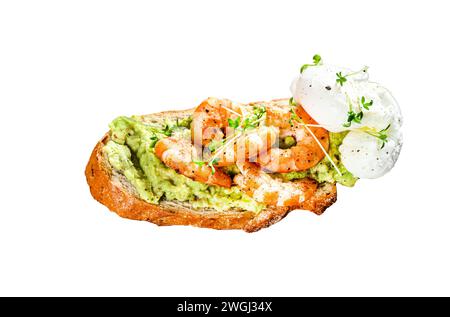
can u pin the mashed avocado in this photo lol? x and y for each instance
(131, 153)
(324, 171)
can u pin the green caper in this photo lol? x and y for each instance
(287, 142)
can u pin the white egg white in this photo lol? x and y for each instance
(329, 103)
(365, 156)
(317, 92)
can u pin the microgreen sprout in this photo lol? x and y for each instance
(317, 60)
(341, 79)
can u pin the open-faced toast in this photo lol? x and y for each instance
(112, 189)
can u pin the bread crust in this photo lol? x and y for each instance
(106, 189)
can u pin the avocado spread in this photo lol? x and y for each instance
(131, 153)
(324, 171)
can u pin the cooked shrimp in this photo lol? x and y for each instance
(177, 154)
(210, 123)
(270, 191)
(279, 116)
(306, 153)
(210, 117)
(246, 147)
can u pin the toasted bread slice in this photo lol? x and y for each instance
(114, 191)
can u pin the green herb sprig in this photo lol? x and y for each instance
(353, 117)
(209, 164)
(341, 79)
(166, 130)
(240, 127)
(317, 60)
(356, 117)
(292, 102)
(253, 121)
(153, 140)
(294, 115)
(234, 123)
(366, 105)
(381, 135)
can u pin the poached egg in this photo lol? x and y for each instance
(363, 151)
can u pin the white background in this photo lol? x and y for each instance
(67, 68)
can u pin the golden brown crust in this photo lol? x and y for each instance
(120, 200)
(324, 198)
